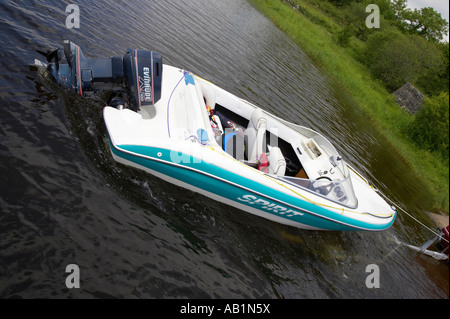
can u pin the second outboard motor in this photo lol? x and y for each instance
(138, 72)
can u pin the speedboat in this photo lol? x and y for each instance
(183, 129)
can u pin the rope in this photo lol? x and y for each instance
(413, 218)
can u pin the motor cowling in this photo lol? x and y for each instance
(144, 75)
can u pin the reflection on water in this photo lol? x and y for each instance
(64, 200)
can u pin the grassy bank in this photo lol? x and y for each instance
(314, 32)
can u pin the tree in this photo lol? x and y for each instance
(433, 82)
(430, 128)
(425, 22)
(399, 7)
(396, 58)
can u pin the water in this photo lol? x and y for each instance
(65, 201)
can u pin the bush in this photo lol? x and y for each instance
(396, 58)
(431, 124)
(433, 82)
(343, 37)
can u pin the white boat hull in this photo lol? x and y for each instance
(162, 141)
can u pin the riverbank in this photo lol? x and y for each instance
(312, 30)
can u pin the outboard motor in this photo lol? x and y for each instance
(138, 73)
(144, 74)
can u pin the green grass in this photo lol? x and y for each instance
(313, 31)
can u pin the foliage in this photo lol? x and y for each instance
(343, 36)
(396, 58)
(433, 83)
(406, 47)
(430, 127)
(316, 26)
(425, 22)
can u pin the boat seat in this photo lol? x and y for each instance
(255, 132)
(277, 163)
(209, 95)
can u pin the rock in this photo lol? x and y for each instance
(409, 98)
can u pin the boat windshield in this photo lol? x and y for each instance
(335, 187)
(339, 191)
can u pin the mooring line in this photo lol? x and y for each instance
(412, 217)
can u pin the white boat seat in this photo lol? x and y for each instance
(277, 163)
(209, 95)
(255, 132)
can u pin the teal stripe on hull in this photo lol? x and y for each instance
(252, 194)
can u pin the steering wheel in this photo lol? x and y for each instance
(325, 189)
(323, 177)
